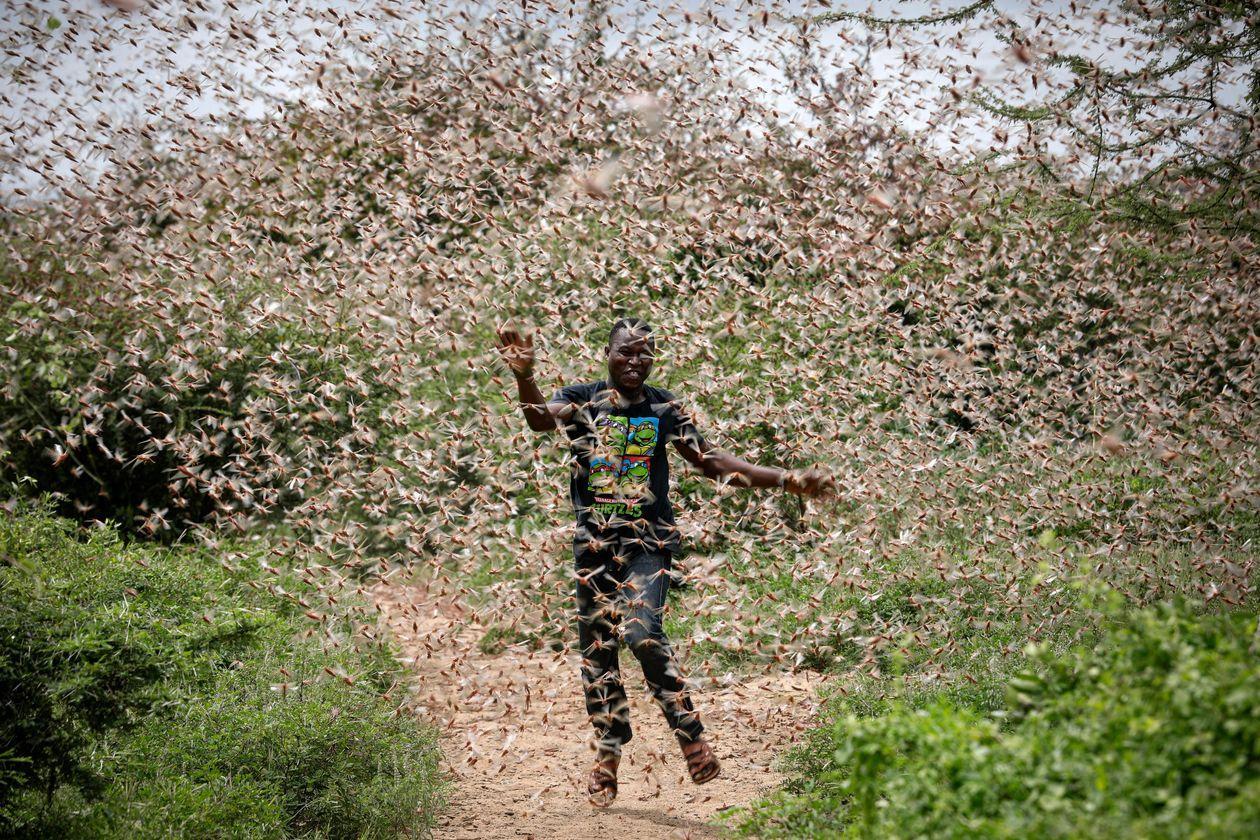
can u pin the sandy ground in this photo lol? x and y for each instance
(516, 736)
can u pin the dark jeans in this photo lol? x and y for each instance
(623, 598)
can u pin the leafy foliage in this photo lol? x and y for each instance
(1149, 730)
(119, 417)
(151, 692)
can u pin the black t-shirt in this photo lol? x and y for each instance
(619, 465)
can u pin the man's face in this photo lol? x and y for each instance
(630, 356)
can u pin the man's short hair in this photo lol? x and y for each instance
(637, 327)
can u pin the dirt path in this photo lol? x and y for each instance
(515, 734)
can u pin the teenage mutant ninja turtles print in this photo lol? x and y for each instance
(619, 480)
(623, 461)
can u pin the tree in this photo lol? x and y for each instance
(1171, 118)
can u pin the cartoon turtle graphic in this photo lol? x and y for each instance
(635, 474)
(603, 477)
(642, 438)
(613, 431)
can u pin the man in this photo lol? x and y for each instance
(625, 535)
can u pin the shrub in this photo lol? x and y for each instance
(1151, 731)
(149, 691)
(121, 416)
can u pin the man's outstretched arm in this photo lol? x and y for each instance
(518, 352)
(539, 414)
(716, 464)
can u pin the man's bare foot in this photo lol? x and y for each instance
(601, 784)
(702, 764)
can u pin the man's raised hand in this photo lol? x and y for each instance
(812, 482)
(517, 350)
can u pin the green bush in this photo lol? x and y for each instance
(1152, 730)
(120, 416)
(141, 694)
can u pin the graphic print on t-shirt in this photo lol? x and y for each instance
(619, 472)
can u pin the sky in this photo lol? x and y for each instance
(78, 77)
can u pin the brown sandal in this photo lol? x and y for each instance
(601, 784)
(702, 764)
